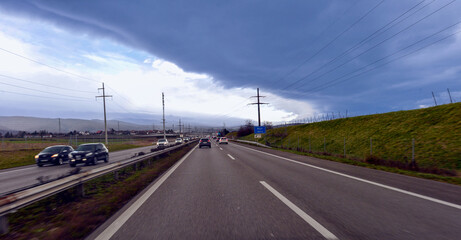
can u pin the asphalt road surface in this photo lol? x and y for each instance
(17, 178)
(242, 192)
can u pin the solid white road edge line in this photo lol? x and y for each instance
(231, 157)
(365, 181)
(120, 221)
(220, 149)
(317, 226)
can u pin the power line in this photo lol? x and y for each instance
(321, 34)
(334, 39)
(44, 64)
(363, 41)
(127, 100)
(31, 89)
(45, 85)
(369, 49)
(55, 68)
(336, 81)
(31, 95)
(236, 107)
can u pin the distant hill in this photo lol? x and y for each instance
(435, 130)
(31, 124)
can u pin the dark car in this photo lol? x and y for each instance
(204, 142)
(53, 155)
(89, 153)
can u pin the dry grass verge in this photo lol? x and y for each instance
(68, 216)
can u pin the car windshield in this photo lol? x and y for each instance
(52, 150)
(204, 139)
(86, 148)
(178, 139)
(162, 140)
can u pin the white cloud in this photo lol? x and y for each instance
(95, 58)
(137, 88)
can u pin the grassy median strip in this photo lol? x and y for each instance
(68, 216)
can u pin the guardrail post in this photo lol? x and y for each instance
(135, 167)
(80, 190)
(116, 175)
(3, 224)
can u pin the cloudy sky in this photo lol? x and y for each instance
(208, 57)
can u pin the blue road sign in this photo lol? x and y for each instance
(260, 130)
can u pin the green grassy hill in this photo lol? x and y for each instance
(436, 132)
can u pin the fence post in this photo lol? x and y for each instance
(413, 152)
(297, 149)
(344, 147)
(324, 145)
(310, 150)
(371, 146)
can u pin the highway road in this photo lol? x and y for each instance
(20, 177)
(244, 192)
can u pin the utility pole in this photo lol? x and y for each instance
(449, 94)
(258, 103)
(104, 96)
(180, 127)
(163, 103)
(435, 101)
(118, 126)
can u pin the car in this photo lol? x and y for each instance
(204, 142)
(178, 141)
(56, 155)
(223, 140)
(89, 153)
(186, 139)
(163, 143)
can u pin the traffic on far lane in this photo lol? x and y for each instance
(55, 155)
(88, 154)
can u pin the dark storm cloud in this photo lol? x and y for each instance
(257, 43)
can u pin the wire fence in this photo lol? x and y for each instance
(429, 155)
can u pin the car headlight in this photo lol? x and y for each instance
(36, 156)
(55, 155)
(89, 154)
(70, 155)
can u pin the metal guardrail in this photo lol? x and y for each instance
(14, 201)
